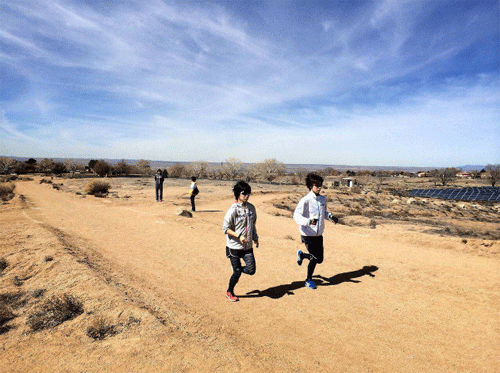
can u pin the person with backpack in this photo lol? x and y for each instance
(241, 233)
(193, 192)
(310, 215)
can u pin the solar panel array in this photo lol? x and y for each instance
(487, 194)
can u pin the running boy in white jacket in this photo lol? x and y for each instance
(310, 214)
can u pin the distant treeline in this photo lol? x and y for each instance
(231, 169)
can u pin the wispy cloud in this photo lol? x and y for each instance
(181, 81)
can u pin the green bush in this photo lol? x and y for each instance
(98, 188)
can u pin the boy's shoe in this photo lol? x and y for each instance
(299, 257)
(231, 297)
(310, 284)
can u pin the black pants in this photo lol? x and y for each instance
(314, 245)
(235, 256)
(159, 192)
(192, 202)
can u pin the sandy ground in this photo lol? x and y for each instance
(427, 303)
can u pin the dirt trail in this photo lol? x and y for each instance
(428, 308)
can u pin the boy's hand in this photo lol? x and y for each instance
(256, 243)
(333, 218)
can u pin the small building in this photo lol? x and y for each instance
(349, 182)
(464, 175)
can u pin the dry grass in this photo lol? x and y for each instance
(6, 314)
(101, 327)
(3, 264)
(98, 188)
(6, 189)
(55, 311)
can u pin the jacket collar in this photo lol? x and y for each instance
(313, 195)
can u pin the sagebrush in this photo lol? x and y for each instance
(97, 188)
(100, 328)
(54, 311)
(6, 189)
(6, 314)
(3, 264)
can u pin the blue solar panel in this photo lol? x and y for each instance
(490, 194)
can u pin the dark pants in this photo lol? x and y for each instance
(314, 244)
(159, 192)
(192, 202)
(235, 256)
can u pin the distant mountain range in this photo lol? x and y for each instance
(289, 167)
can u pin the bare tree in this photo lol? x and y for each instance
(46, 165)
(143, 166)
(231, 168)
(494, 171)
(102, 168)
(445, 175)
(247, 173)
(7, 165)
(59, 168)
(122, 168)
(270, 169)
(177, 170)
(73, 166)
(198, 169)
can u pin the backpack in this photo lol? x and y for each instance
(195, 191)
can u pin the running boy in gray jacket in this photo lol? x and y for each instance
(240, 231)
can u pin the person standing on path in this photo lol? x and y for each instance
(239, 228)
(159, 185)
(310, 214)
(193, 192)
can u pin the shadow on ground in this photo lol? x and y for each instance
(279, 291)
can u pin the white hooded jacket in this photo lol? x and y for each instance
(311, 206)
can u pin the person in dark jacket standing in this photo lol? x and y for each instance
(159, 185)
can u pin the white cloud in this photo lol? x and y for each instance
(165, 80)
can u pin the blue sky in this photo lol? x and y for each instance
(388, 83)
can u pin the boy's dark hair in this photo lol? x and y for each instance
(240, 187)
(193, 179)
(313, 179)
(159, 170)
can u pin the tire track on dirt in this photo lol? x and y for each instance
(99, 265)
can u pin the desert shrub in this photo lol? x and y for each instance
(3, 264)
(54, 311)
(6, 189)
(100, 328)
(45, 181)
(5, 315)
(12, 299)
(17, 281)
(98, 188)
(37, 293)
(355, 189)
